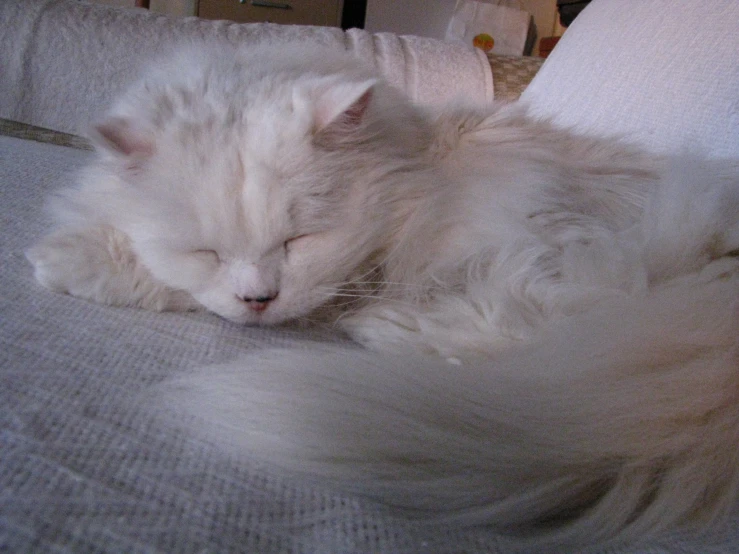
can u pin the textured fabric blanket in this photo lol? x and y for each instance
(62, 64)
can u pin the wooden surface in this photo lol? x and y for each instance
(296, 12)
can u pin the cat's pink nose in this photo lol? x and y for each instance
(259, 303)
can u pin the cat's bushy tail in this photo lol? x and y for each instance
(619, 422)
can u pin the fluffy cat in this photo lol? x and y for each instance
(554, 316)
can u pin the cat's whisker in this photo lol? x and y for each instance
(346, 295)
(356, 298)
(349, 294)
(397, 285)
(375, 285)
(375, 270)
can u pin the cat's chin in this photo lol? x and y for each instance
(257, 320)
(272, 315)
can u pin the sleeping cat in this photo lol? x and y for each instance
(554, 316)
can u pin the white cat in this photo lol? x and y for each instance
(585, 293)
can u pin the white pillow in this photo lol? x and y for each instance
(664, 73)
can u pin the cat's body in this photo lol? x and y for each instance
(273, 190)
(220, 198)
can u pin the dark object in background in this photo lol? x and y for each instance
(353, 14)
(568, 10)
(546, 45)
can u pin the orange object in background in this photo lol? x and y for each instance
(484, 42)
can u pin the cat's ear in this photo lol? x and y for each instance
(339, 105)
(124, 139)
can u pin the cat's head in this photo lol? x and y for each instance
(260, 191)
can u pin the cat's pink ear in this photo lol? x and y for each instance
(121, 137)
(341, 105)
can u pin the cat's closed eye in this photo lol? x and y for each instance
(289, 243)
(207, 255)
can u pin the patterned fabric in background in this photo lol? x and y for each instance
(512, 74)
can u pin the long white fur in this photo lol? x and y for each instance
(625, 417)
(552, 318)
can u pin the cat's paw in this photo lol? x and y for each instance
(97, 263)
(451, 328)
(74, 262)
(384, 327)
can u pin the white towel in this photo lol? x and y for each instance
(63, 61)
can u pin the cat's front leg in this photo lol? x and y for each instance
(449, 328)
(97, 263)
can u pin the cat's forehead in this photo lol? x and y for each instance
(259, 179)
(245, 206)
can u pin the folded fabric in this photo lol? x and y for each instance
(64, 61)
